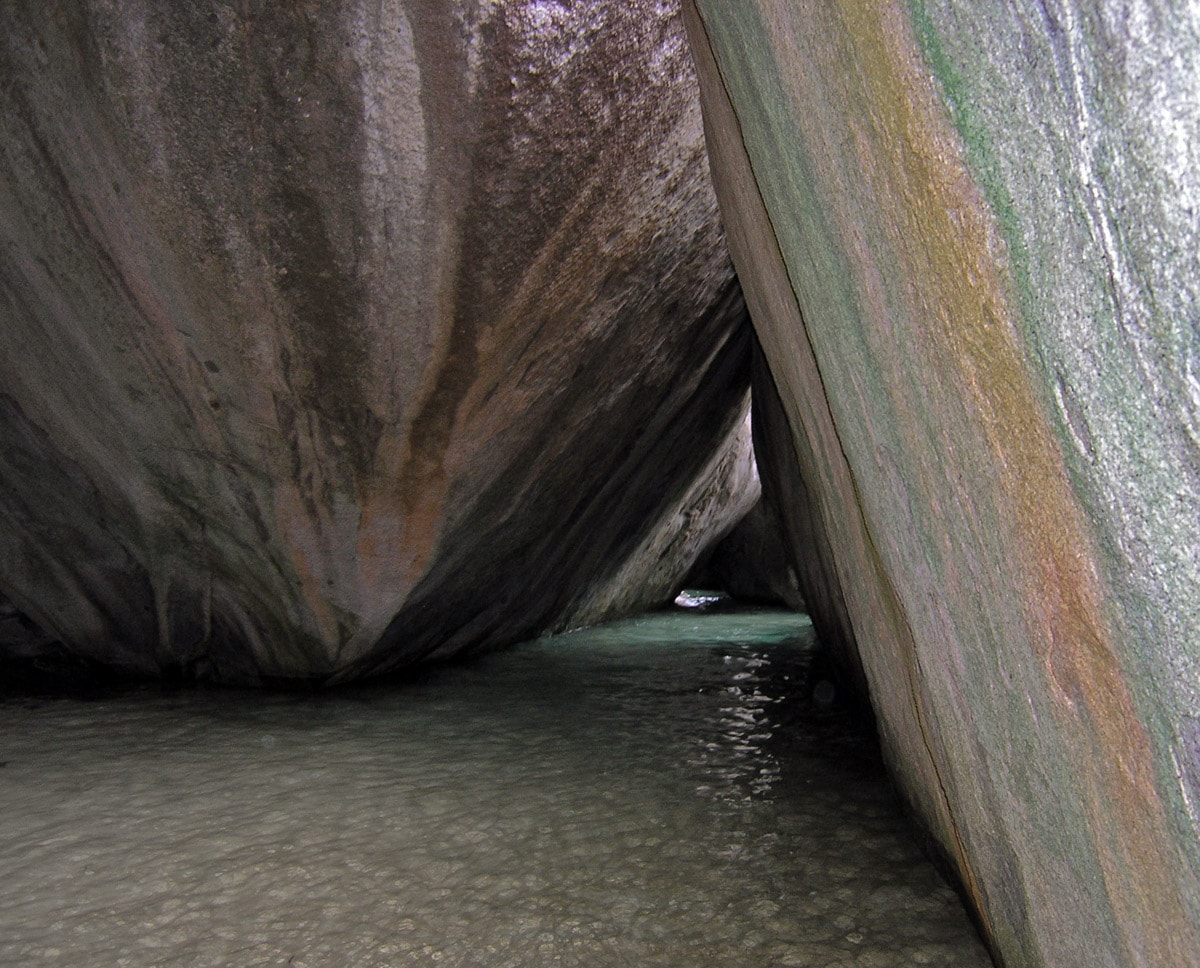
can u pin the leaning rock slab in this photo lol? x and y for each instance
(340, 334)
(968, 237)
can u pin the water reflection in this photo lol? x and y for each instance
(657, 792)
(736, 765)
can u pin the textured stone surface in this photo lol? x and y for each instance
(751, 563)
(755, 561)
(721, 495)
(335, 334)
(968, 237)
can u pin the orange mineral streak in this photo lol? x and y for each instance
(879, 613)
(936, 227)
(302, 537)
(385, 566)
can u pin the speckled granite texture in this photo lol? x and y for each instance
(968, 237)
(337, 334)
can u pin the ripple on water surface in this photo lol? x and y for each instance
(661, 791)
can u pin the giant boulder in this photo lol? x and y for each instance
(968, 235)
(335, 335)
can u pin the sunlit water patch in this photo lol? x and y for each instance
(662, 791)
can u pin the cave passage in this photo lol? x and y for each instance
(675, 789)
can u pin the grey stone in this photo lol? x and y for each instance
(968, 237)
(334, 335)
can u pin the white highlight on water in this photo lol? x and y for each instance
(655, 792)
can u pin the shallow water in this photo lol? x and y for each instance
(655, 792)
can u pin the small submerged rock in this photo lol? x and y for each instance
(700, 600)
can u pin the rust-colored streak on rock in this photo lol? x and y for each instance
(961, 296)
(313, 301)
(822, 460)
(439, 44)
(902, 364)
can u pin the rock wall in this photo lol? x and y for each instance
(968, 237)
(720, 497)
(338, 334)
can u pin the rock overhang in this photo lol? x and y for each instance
(327, 325)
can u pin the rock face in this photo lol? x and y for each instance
(750, 563)
(721, 495)
(338, 334)
(968, 237)
(755, 561)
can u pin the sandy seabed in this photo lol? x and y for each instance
(657, 792)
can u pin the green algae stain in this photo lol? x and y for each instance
(786, 166)
(980, 153)
(939, 214)
(982, 158)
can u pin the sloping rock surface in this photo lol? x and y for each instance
(968, 238)
(334, 335)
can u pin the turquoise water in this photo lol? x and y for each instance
(662, 791)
